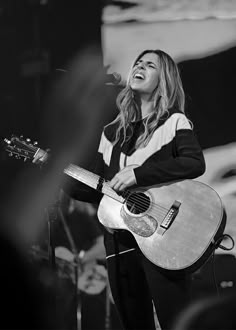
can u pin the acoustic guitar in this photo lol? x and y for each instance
(177, 225)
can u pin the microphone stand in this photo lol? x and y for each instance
(76, 261)
(51, 218)
(53, 212)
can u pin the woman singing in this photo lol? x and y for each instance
(151, 141)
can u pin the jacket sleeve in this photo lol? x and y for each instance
(187, 162)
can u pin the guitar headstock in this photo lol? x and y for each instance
(20, 148)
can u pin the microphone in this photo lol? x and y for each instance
(113, 78)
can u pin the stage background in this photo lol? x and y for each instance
(39, 36)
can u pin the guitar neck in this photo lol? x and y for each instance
(92, 180)
(26, 150)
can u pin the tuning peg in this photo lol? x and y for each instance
(35, 143)
(28, 140)
(7, 141)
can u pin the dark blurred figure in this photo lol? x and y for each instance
(75, 108)
(209, 313)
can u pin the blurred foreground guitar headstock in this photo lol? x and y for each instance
(20, 148)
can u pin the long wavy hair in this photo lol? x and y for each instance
(168, 93)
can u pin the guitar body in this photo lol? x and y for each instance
(188, 241)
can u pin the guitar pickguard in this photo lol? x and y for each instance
(144, 225)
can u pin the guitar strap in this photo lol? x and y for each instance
(115, 161)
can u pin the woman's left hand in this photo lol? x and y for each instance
(124, 179)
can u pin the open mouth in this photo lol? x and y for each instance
(139, 76)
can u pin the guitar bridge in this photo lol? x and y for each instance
(169, 218)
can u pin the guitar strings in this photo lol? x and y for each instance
(139, 201)
(127, 193)
(142, 205)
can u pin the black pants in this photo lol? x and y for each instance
(136, 282)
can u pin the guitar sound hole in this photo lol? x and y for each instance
(137, 202)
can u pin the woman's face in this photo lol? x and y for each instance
(145, 74)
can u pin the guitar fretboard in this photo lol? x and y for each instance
(92, 180)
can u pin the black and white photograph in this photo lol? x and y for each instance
(118, 164)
